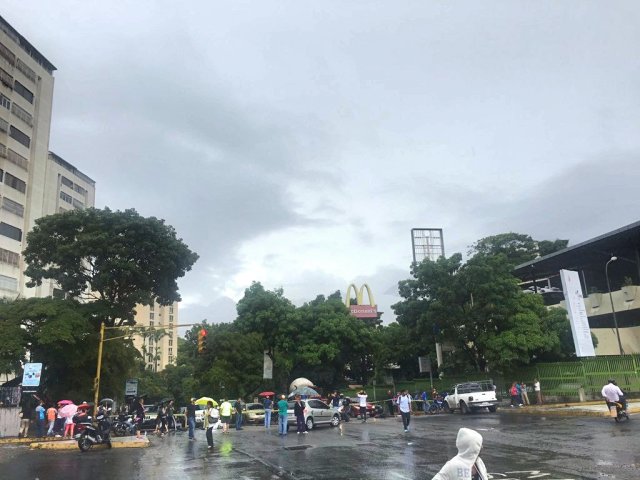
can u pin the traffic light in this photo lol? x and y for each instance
(202, 340)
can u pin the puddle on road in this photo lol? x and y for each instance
(298, 447)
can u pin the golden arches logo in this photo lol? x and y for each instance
(361, 310)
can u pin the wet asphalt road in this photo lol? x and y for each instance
(516, 447)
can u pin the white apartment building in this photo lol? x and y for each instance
(35, 182)
(161, 349)
(26, 96)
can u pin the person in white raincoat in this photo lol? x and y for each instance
(467, 465)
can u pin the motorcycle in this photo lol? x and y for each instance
(619, 414)
(99, 434)
(124, 426)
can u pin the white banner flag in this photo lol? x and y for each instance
(267, 371)
(577, 313)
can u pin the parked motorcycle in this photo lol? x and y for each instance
(97, 434)
(123, 426)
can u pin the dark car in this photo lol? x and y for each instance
(373, 410)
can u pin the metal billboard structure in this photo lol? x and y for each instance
(427, 243)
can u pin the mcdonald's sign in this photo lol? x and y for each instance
(359, 310)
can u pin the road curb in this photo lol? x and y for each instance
(124, 442)
(562, 411)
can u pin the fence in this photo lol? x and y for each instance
(559, 381)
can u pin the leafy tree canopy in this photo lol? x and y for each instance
(118, 259)
(60, 335)
(478, 308)
(516, 247)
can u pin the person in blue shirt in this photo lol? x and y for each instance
(268, 406)
(40, 416)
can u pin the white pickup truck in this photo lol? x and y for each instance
(471, 396)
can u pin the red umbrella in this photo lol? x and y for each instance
(266, 394)
(65, 402)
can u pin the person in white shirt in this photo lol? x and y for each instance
(612, 393)
(362, 403)
(536, 388)
(404, 405)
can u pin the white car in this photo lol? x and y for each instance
(316, 412)
(472, 396)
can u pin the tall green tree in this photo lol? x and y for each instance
(271, 315)
(61, 335)
(478, 308)
(115, 259)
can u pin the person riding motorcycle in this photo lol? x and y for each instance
(612, 394)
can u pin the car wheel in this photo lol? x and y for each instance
(447, 408)
(335, 420)
(463, 408)
(309, 423)
(493, 408)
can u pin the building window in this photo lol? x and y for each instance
(13, 207)
(78, 204)
(170, 358)
(152, 307)
(171, 318)
(80, 190)
(17, 159)
(65, 181)
(22, 114)
(5, 102)
(171, 351)
(151, 315)
(14, 182)
(6, 79)
(8, 283)
(24, 91)
(3, 150)
(9, 257)
(170, 308)
(24, 68)
(4, 126)
(7, 54)
(171, 343)
(20, 136)
(66, 197)
(10, 231)
(151, 323)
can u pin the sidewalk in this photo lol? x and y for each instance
(584, 409)
(66, 444)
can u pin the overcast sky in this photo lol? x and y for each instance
(296, 143)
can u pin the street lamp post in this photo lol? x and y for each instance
(613, 309)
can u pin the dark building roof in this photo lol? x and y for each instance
(26, 46)
(623, 243)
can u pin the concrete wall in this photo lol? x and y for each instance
(9, 422)
(626, 299)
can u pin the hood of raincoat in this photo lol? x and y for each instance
(469, 443)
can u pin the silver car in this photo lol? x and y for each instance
(316, 412)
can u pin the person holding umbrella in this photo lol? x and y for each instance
(268, 407)
(67, 412)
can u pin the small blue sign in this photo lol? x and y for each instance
(31, 375)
